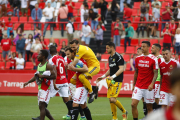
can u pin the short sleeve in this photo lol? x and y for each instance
(155, 64)
(51, 62)
(80, 52)
(44, 10)
(26, 41)
(68, 25)
(120, 60)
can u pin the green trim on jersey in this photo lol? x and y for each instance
(159, 75)
(41, 70)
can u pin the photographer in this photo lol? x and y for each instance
(129, 34)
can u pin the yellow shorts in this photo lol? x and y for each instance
(92, 71)
(113, 89)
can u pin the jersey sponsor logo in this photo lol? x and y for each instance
(162, 67)
(142, 61)
(143, 65)
(77, 55)
(167, 73)
(112, 65)
(62, 77)
(113, 60)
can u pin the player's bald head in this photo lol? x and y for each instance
(52, 50)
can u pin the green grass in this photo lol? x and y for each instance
(26, 107)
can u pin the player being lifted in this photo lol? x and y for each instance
(44, 74)
(144, 78)
(116, 65)
(155, 49)
(81, 92)
(166, 66)
(70, 54)
(61, 81)
(93, 65)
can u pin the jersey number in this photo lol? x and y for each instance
(162, 96)
(61, 68)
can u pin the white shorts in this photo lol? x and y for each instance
(72, 90)
(63, 90)
(44, 96)
(139, 93)
(166, 98)
(156, 91)
(80, 95)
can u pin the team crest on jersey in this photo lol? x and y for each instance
(160, 101)
(114, 60)
(171, 67)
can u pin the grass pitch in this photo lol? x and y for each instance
(26, 107)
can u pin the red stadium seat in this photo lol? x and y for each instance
(75, 13)
(27, 27)
(153, 41)
(2, 65)
(161, 42)
(135, 12)
(134, 42)
(126, 57)
(120, 49)
(122, 42)
(23, 19)
(30, 19)
(61, 41)
(59, 48)
(8, 65)
(47, 41)
(14, 19)
(102, 66)
(78, 5)
(142, 40)
(164, 4)
(137, 5)
(128, 66)
(135, 25)
(130, 50)
(13, 49)
(42, 5)
(5, 19)
(104, 57)
(56, 40)
(16, 26)
(29, 66)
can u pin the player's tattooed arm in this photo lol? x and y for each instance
(150, 88)
(30, 81)
(135, 78)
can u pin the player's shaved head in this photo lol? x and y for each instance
(43, 54)
(111, 44)
(166, 54)
(158, 46)
(155, 49)
(52, 50)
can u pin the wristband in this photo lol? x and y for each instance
(114, 76)
(103, 76)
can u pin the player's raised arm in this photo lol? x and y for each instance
(30, 81)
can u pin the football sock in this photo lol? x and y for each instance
(135, 118)
(73, 81)
(69, 106)
(155, 106)
(85, 82)
(81, 111)
(144, 108)
(87, 113)
(119, 105)
(159, 106)
(75, 113)
(114, 110)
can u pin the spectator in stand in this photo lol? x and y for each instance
(1, 29)
(129, 34)
(36, 15)
(145, 9)
(102, 25)
(139, 51)
(24, 7)
(167, 36)
(94, 19)
(70, 30)
(98, 56)
(20, 62)
(52, 42)
(156, 18)
(176, 13)
(3, 7)
(166, 15)
(32, 4)
(172, 27)
(103, 6)
(49, 14)
(20, 45)
(141, 26)
(70, 4)
(5, 46)
(84, 13)
(19, 30)
(85, 2)
(86, 30)
(53, 3)
(177, 57)
(118, 29)
(99, 38)
(150, 26)
(16, 7)
(29, 41)
(10, 28)
(63, 11)
(12, 58)
(154, 3)
(132, 63)
(177, 41)
(114, 9)
(127, 14)
(34, 59)
(37, 33)
(44, 44)
(95, 6)
(62, 51)
(36, 46)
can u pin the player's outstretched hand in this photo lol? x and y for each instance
(25, 84)
(55, 87)
(98, 79)
(71, 67)
(150, 88)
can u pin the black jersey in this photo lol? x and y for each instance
(114, 62)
